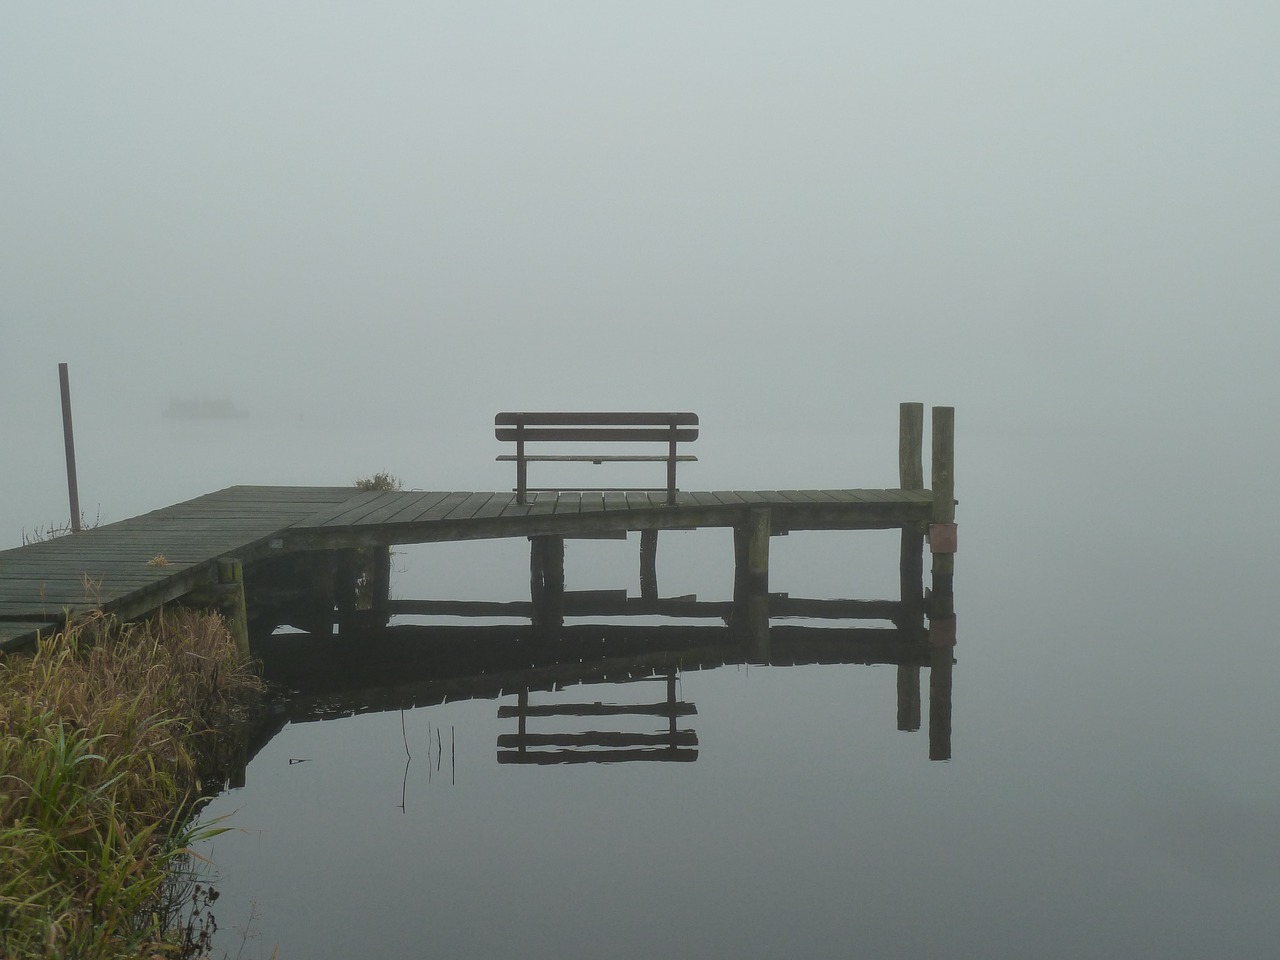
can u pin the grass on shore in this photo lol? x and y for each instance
(104, 730)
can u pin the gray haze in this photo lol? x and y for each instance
(375, 225)
(765, 213)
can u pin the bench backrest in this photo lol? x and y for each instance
(570, 427)
(612, 427)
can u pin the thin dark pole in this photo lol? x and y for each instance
(72, 491)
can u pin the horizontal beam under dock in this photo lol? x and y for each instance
(599, 710)
(598, 604)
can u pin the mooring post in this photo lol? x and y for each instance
(68, 439)
(911, 477)
(751, 582)
(942, 529)
(231, 582)
(649, 564)
(546, 580)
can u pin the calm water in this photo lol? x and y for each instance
(1114, 788)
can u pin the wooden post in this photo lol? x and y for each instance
(911, 477)
(345, 573)
(911, 446)
(751, 582)
(231, 580)
(68, 440)
(942, 529)
(546, 580)
(380, 585)
(671, 466)
(649, 564)
(940, 704)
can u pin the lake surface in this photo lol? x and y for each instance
(1114, 786)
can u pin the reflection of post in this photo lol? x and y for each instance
(751, 582)
(908, 696)
(940, 704)
(546, 580)
(911, 477)
(649, 564)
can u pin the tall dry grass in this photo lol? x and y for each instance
(104, 731)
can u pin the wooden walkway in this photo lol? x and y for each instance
(131, 567)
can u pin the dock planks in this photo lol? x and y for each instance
(133, 566)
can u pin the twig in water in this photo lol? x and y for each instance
(408, 759)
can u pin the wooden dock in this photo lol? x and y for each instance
(134, 566)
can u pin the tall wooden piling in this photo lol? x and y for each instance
(942, 529)
(911, 477)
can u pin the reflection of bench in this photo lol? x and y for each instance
(670, 744)
(592, 428)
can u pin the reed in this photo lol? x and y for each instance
(105, 730)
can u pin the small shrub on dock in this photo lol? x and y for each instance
(379, 481)
(102, 733)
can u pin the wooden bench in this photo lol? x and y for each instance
(670, 429)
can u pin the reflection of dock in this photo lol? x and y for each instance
(409, 665)
(132, 567)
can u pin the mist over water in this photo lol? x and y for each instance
(375, 231)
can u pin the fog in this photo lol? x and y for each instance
(769, 215)
(373, 227)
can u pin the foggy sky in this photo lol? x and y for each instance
(766, 213)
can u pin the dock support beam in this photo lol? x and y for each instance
(751, 582)
(231, 594)
(546, 580)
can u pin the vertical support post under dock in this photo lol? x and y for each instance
(346, 571)
(231, 580)
(751, 582)
(380, 586)
(546, 580)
